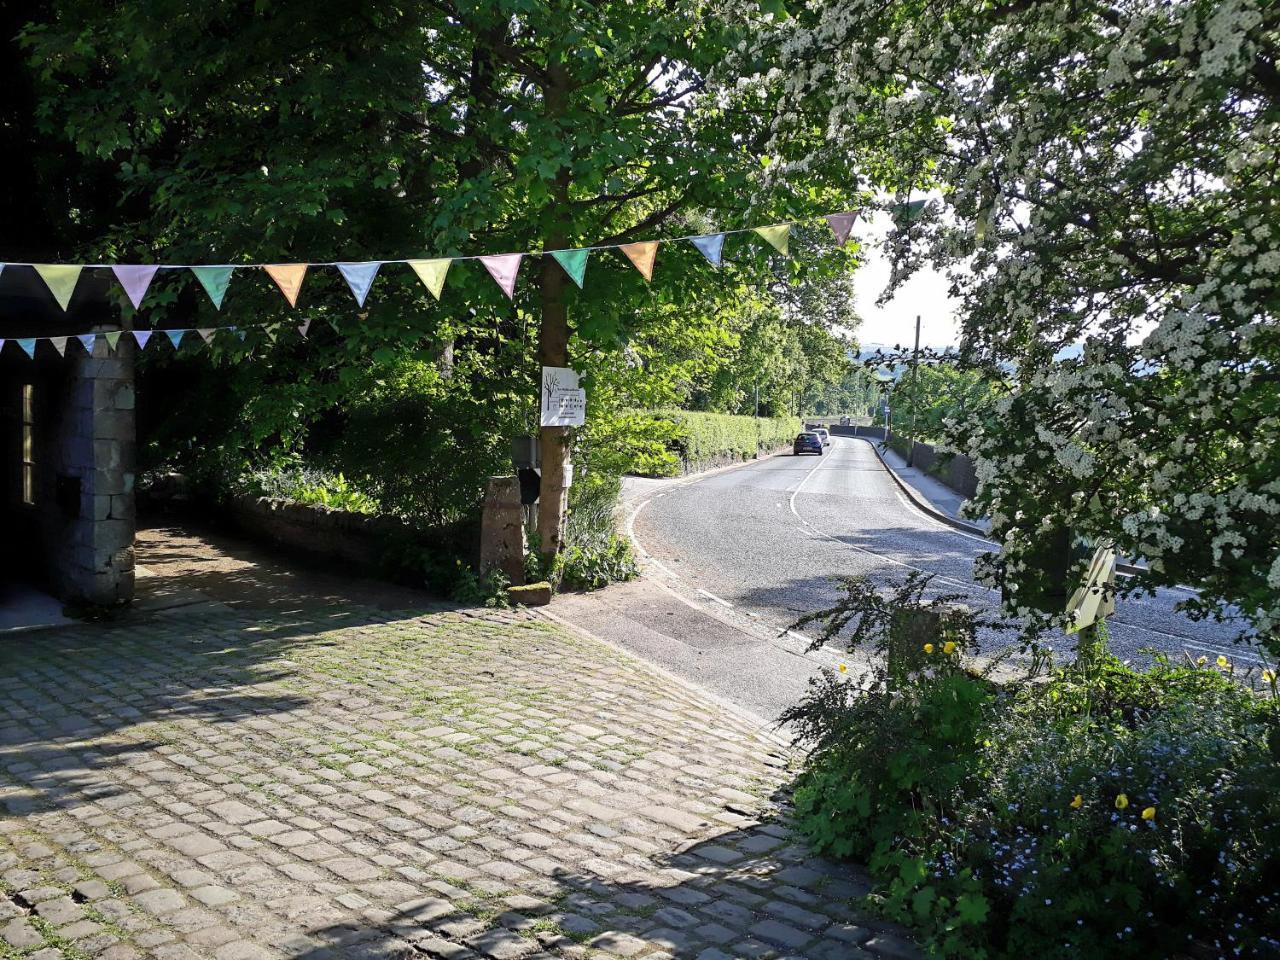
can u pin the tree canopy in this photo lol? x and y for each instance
(1108, 182)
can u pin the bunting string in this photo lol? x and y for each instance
(215, 278)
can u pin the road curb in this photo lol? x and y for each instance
(1128, 569)
(914, 496)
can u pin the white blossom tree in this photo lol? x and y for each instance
(1110, 219)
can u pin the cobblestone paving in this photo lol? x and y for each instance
(350, 783)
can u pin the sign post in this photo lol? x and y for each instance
(564, 403)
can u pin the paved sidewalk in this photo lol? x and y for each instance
(285, 777)
(928, 487)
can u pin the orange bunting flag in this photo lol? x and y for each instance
(641, 256)
(288, 277)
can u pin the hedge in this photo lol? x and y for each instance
(697, 439)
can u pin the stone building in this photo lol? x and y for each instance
(67, 444)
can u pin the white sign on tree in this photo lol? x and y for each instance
(564, 404)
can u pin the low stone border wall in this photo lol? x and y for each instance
(356, 539)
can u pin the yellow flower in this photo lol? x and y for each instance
(1122, 801)
(949, 647)
(928, 648)
(1077, 802)
(1268, 676)
(1201, 661)
(843, 668)
(1149, 813)
(1223, 662)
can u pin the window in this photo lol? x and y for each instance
(28, 443)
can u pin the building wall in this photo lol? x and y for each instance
(77, 539)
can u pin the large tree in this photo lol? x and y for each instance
(1110, 215)
(328, 131)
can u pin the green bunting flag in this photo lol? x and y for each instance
(574, 263)
(59, 344)
(432, 274)
(215, 281)
(777, 235)
(60, 279)
(113, 338)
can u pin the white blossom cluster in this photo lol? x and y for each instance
(1111, 223)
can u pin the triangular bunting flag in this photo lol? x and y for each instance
(288, 277)
(642, 256)
(431, 273)
(206, 334)
(841, 224)
(1, 338)
(86, 341)
(60, 279)
(910, 212)
(239, 333)
(215, 281)
(175, 337)
(59, 344)
(142, 336)
(304, 328)
(113, 338)
(29, 345)
(574, 263)
(135, 280)
(503, 268)
(359, 277)
(777, 235)
(712, 247)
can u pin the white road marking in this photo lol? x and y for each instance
(818, 534)
(711, 596)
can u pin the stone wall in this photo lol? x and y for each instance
(76, 540)
(87, 510)
(354, 540)
(954, 469)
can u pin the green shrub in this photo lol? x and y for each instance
(594, 554)
(696, 438)
(309, 486)
(1106, 812)
(473, 590)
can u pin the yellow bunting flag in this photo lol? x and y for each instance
(288, 277)
(778, 236)
(432, 274)
(642, 256)
(60, 279)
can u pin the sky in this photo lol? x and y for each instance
(924, 294)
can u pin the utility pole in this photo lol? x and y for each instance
(915, 383)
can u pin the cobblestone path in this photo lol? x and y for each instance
(345, 782)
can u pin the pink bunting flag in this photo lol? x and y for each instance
(135, 278)
(503, 268)
(841, 224)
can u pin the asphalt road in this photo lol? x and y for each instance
(735, 556)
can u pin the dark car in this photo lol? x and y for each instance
(807, 443)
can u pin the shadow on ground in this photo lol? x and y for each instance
(744, 893)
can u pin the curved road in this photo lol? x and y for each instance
(735, 556)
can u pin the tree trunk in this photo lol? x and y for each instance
(553, 345)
